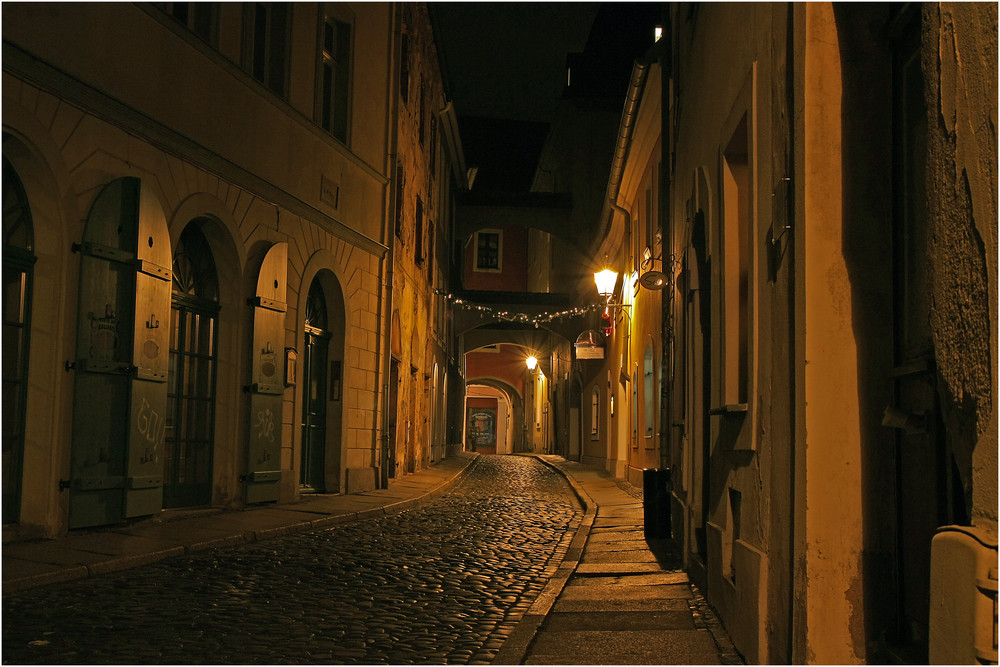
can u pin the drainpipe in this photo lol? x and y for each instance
(383, 362)
(638, 81)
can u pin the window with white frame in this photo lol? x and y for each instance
(489, 246)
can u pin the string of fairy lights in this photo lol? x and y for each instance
(519, 317)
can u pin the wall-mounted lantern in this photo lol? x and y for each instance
(605, 281)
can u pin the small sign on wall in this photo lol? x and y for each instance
(329, 192)
(291, 358)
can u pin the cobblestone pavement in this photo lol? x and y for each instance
(445, 583)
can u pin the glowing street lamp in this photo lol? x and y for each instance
(605, 281)
(531, 362)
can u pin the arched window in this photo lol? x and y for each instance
(194, 317)
(18, 260)
(316, 307)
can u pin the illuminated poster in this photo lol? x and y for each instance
(482, 427)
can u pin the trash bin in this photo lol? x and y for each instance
(656, 502)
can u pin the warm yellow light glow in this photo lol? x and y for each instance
(531, 362)
(658, 33)
(605, 281)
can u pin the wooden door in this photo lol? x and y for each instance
(263, 477)
(122, 356)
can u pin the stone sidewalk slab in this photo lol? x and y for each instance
(629, 647)
(618, 568)
(624, 592)
(654, 579)
(622, 606)
(620, 620)
(626, 600)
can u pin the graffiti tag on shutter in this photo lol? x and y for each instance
(265, 425)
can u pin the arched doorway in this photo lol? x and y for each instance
(194, 335)
(316, 345)
(18, 262)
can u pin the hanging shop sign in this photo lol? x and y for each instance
(589, 345)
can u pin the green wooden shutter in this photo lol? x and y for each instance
(120, 397)
(267, 387)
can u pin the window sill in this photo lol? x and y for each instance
(730, 409)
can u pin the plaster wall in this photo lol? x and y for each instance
(245, 228)
(421, 208)
(730, 91)
(832, 421)
(72, 135)
(126, 47)
(960, 49)
(513, 273)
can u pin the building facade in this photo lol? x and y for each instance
(202, 234)
(426, 173)
(827, 204)
(622, 394)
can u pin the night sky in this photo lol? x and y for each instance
(505, 64)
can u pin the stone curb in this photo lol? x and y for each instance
(55, 577)
(515, 647)
(130, 561)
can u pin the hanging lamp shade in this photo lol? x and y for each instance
(605, 281)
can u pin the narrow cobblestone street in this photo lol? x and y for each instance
(445, 583)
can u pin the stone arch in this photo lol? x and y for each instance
(222, 233)
(516, 402)
(39, 166)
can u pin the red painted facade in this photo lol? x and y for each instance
(512, 276)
